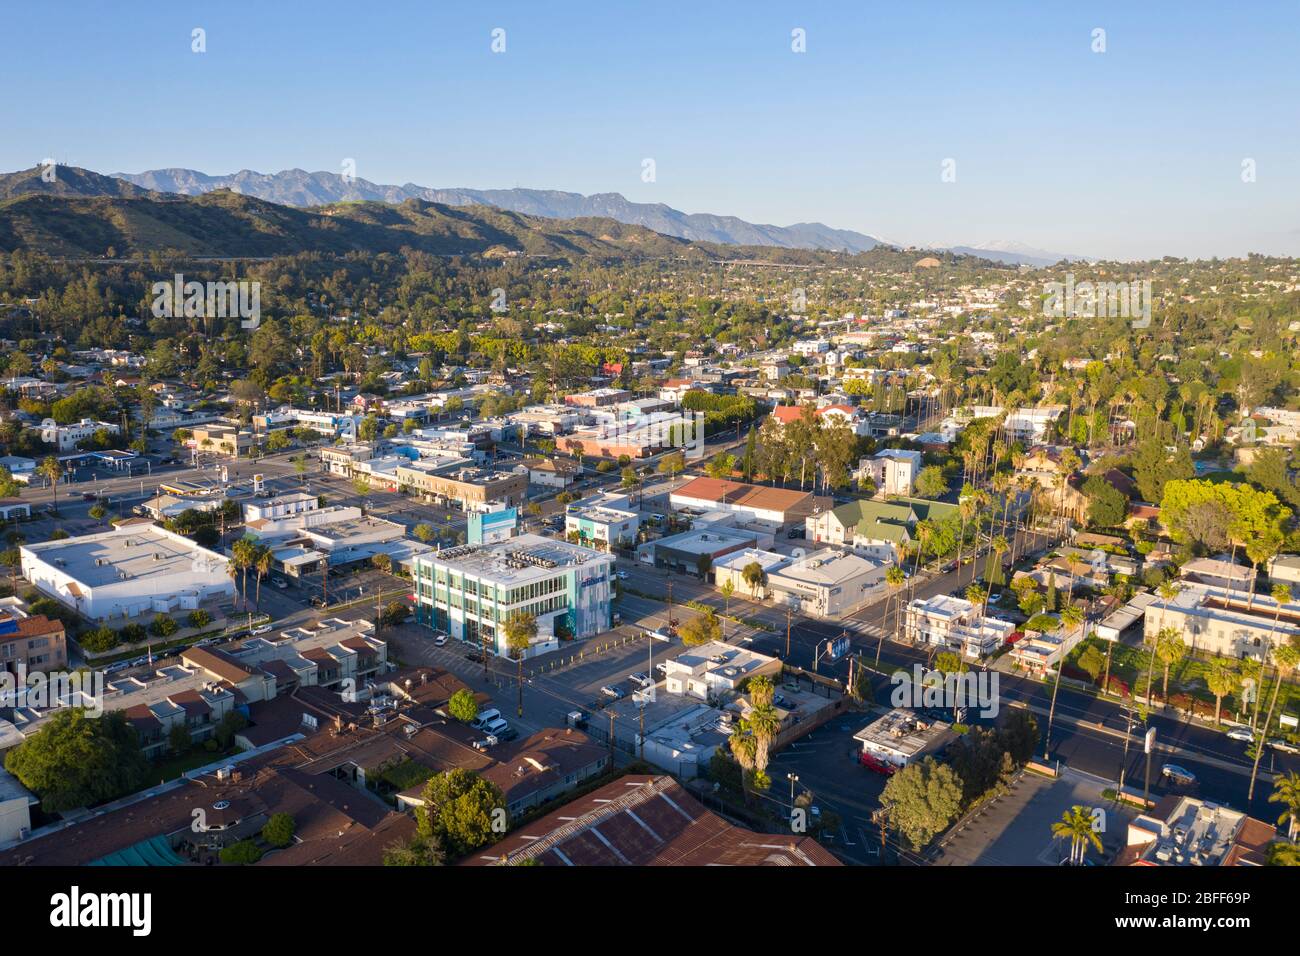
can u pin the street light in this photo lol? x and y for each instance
(793, 778)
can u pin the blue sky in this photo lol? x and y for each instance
(1135, 152)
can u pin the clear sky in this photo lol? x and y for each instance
(1134, 152)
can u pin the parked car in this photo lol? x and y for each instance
(474, 657)
(1278, 743)
(1178, 775)
(616, 693)
(508, 734)
(486, 742)
(661, 669)
(440, 640)
(642, 678)
(783, 702)
(261, 629)
(496, 727)
(1240, 733)
(995, 597)
(280, 583)
(621, 575)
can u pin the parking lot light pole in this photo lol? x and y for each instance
(793, 778)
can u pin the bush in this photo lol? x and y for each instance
(199, 618)
(163, 626)
(243, 853)
(132, 634)
(278, 830)
(99, 640)
(230, 725)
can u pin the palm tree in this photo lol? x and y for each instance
(764, 724)
(727, 589)
(521, 629)
(743, 747)
(1071, 617)
(262, 563)
(52, 469)
(895, 578)
(243, 551)
(1076, 823)
(1286, 657)
(999, 547)
(1286, 791)
(753, 575)
(1220, 679)
(1171, 649)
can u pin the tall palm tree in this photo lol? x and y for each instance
(1171, 649)
(1286, 658)
(1076, 823)
(895, 579)
(1071, 617)
(52, 469)
(1286, 791)
(262, 564)
(243, 551)
(764, 724)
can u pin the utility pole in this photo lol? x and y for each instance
(611, 740)
(789, 619)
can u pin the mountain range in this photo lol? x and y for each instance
(297, 187)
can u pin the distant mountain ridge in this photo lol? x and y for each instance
(297, 187)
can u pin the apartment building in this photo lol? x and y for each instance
(602, 525)
(65, 437)
(1231, 623)
(29, 644)
(893, 471)
(955, 624)
(226, 440)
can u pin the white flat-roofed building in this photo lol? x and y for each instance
(828, 583)
(128, 571)
(902, 737)
(65, 437)
(281, 506)
(1285, 569)
(731, 567)
(955, 624)
(471, 591)
(1231, 623)
(602, 525)
(715, 670)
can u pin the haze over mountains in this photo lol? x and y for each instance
(297, 187)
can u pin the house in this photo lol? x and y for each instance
(892, 471)
(552, 472)
(885, 530)
(66, 437)
(715, 670)
(955, 624)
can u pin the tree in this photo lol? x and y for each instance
(76, 760)
(1286, 791)
(1220, 679)
(1076, 823)
(701, 629)
(922, 799)
(458, 809)
(178, 739)
(1170, 649)
(754, 577)
(895, 578)
(278, 831)
(418, 851)
(424, 532)
(521, 631)
(52, 470)
(1286, 658)
(463, 706)
(930, 483)
(243, 853)
(1107, 505)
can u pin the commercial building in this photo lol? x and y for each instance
(646, 821)
(955, 624)
(777, 505)
(127, 571)
(1285, 569)
(470, 592)
(552, 472)
(731, 568)
(224, 440)
(281, 506)
(713, 671)
(695, 551)
(902, 737)
(828, 583)
(1186, 831)
(475, 489)
(598, 397)
(602, 525)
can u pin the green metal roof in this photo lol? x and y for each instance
(155, 851)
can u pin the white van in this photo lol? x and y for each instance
(496, 727)
(486, 717)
